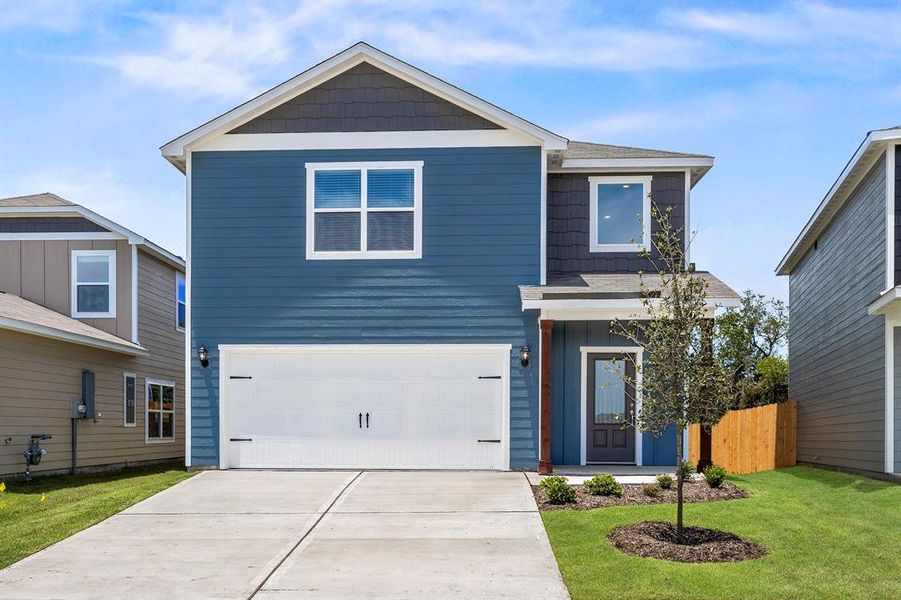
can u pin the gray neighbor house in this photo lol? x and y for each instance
(844, 336)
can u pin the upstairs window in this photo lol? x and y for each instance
(364, 210)
(620, 210)
(93, 284)
(180, 301)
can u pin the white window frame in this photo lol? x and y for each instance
(111, 257)
(645, 244)
(179, 276)
(364, 168)
(147, 384)
(125, 422)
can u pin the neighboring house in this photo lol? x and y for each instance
(844, 336)
(79, 293)
(372, 255)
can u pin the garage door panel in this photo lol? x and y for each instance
(427, 408)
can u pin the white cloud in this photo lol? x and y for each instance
(159, 217)
(48, 15)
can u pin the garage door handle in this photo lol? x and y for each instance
(489, 441)
(240, 377)
(489, 376)
(361, 420)
(240, 439)
(367, 420)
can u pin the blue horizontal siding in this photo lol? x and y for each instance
(566, 408)
(251, 282)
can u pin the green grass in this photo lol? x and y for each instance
(830, 535)
(36, 514)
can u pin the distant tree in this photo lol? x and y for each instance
(750, 337)
(681, 380)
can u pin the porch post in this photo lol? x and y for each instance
(544, 446)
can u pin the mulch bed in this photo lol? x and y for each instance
(653, 539)
(695, 491)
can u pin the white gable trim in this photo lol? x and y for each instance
(174, 151)
(116, 231)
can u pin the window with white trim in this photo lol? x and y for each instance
(364, 210)
(620, 211)
(128, 394)
(181, 305)
(160, 411)
(93, 284)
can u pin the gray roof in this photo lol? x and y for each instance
(19, 314)
(35, 200)
(590, 150)
(613, 285)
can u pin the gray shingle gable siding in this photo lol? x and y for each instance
(568, 225)
(365, 98)
(48, 225)
(836, 348)
(251, 282)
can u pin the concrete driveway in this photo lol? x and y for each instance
(293, 534)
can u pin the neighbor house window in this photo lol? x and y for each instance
(620, 210)
(130, 382)
(180, 301)
(364, 210)
(160, 411)
(93, 284)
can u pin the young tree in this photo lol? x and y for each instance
(680, 381)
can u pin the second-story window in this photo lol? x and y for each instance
(180, 301)
(93, 284)
(364, 210)
(620, 211)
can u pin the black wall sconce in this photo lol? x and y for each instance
(204, 355)
(525, 355)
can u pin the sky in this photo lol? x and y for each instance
(780, 93)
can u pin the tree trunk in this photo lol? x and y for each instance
(679, 459)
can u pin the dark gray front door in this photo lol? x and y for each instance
(610, 407)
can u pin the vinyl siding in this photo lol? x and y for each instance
(566, 407)
(39, 271)
(897, 363)
(40, 378)
(251, 283)
(365, 98)
(898, 215)
(837, 350)
(568, 224)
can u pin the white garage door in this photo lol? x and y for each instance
(406, 407)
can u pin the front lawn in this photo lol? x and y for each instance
(37, 514)
(830, 535)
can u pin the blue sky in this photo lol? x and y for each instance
(780, 93)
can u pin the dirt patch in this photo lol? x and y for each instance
(653, 539)
(695, 491)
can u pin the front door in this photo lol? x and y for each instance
(610, 407)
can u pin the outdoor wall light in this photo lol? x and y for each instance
(525, 354)
(204, 355)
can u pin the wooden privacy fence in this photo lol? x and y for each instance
(751, 440)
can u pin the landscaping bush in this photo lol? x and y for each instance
(652, 490)
(685, 471)
(714, 475)
(558, 489)
(665, 481)
(603, 484)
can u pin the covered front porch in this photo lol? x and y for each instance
(587, 407)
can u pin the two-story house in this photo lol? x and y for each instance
(92, 315)
(844, 336)
(386, 271)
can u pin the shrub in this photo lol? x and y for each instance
(603, 484)
(557, 489)
(651, 490)
(714, 475)
(665, 481)
(685, 470)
